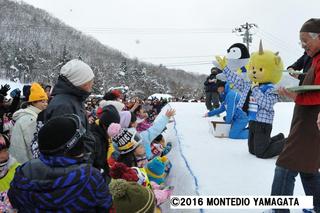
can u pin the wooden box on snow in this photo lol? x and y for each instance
(221, 129)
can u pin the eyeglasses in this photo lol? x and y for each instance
(303, 43)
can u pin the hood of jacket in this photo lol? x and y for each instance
(30, 110)
(64, 86)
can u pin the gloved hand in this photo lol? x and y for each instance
(167, 149)
(254, 84)
(221, 62)
(15, 93)
(4, 89)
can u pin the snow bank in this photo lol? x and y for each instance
(205, 165)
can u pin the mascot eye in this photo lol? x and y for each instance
(260, 69)
(253, 68)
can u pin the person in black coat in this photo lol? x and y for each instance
(99, 130)
(71, 90)
(303, 63)
(212, 95)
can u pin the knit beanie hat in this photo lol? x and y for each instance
(112, 95)
(124, 140)
(77, 72)
(121, 171)
(156, 169)
(37, 93)
(62, 135)
(125, 119)
(4, 142)
(109, 115)
(131, 197)
(311, 26)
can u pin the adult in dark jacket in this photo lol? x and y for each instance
(71, 90)
(303, 63)
(60, 180)
(99, 130)
(212, 95)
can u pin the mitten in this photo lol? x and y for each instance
(4, 89)
(15, 93)
(254, 84)
(167, 149)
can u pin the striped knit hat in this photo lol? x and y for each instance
(156, 169)
(124, 140)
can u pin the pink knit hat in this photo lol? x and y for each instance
(114, 129)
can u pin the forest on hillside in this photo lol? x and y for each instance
(34, 45)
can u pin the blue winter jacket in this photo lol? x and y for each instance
(59, 184)
(150, 134)
(230, 99)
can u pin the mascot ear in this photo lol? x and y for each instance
(277, 59)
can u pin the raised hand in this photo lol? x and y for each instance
(170, 113)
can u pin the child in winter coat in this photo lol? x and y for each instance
(8, 167)
(127, 121)
(142, 119)
(159, 147)
(26, 124)
(128, 144)
(235, 116)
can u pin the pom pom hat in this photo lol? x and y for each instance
(124, 140)
(131, 197)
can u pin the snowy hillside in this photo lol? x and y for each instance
(205, 165)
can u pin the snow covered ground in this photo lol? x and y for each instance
(205, 165)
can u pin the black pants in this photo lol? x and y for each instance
(212, 97)
(259, 142)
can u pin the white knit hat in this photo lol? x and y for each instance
(77, 72)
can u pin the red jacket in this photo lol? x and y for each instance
(311, 98)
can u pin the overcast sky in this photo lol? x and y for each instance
(186, 34)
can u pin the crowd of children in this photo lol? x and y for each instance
(65, 151)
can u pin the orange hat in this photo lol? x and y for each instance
(37, 93)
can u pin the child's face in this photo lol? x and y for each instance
(133, 124)
(140, 150)
(220, 90)
(141, 113)
(4, 155)
(163, 142)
